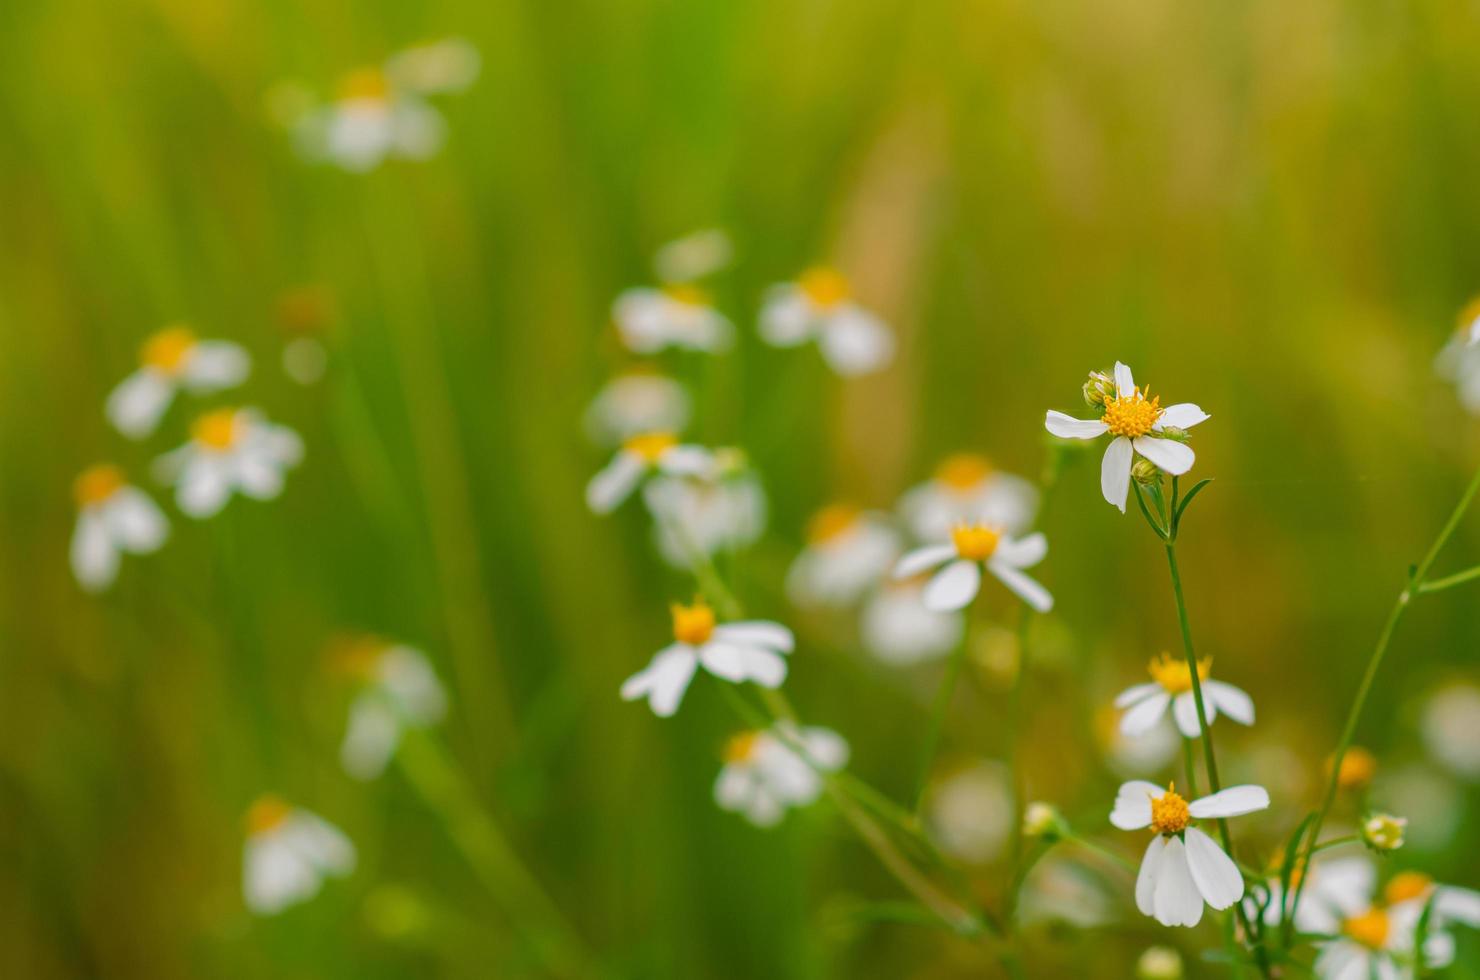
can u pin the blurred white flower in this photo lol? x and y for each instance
(972, 548)
(677, 315)
(1146, 704)
(736, 652)
(440, 67)
(231, 450)
(965, 489)
(693, 256)
(1140, 426)
(848, 551)
(1159, 963)
(970, 812)
(1130, 755)
(1183, 867)
(764, 774)
(400, 690)
(697, 517)
(819, 306)
(171, 359)
(288, 854)
(113, 517)
(899, 629)
(641, 456)
(634, 403)
(305, 360)
(1451, 728)
(1459, 360)
(1061, 890)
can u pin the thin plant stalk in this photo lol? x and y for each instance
(940, 707)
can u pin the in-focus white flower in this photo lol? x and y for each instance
(970, 812)
(399, 690)
(641, 456)
(700, 516)
(113, 517)
(737, 652)
(171, 359)
(764, 773)
(288, 854)
(677, 315)
(693, 256)
(898, 628)
(1140, 426)
(965, 489)
(231, 450)
(973, 547)
(1171, 687)
(635, 403)
(1183, 867)
(819, 306)
(848, 551)
(1451, 728)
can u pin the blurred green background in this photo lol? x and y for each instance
(1267, 208)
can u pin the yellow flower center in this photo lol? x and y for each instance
(694, 624)
(975, 542)
(306, 310)
(1172, 673)
(366, 84)
(1468, 315)
(267, 814)
(651, 445)
(1169, 813)
(216, 431)
(1370, 928)
(1132, 415)
(97, 484)
(831, 523)
(1407, 885)
(963, 471)
(823, 287)
(356, 656)
(166, 350)
(686, 294)
(1358, 767)
(742, 747)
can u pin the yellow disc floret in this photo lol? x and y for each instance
(975, 542)
(686, 294)
(694, 624)
(1469, 315)
(1370, 928)
(823, 287)
(742, 747)
(1169, 814)
(267, 814)
(650, 445)
(365, 84)
(963, 471)
(1172, 673)
(167, 350)
(1407, 885)
(97, 484)
(831, 523)
(1358, 766)
(1131, 415)
(216, 431)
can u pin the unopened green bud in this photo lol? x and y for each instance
(1159, 963)
(1383, 831)
(1174, 433)
(1099, 388)
(1043, 820)
(1145, 472)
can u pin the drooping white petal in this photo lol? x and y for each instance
(733, 787)
(1234, 801)
(324, 844)
(1068, 427)
(954, 586)
(1125, 385)
(135, 521)
(135, 406)
(275, 876)
(855, 342)
(256, 474)
(1133, 804)
(1184, 710)
(1021, 552)
(786, 317)
(357, 134)
(94, 557)
(825, 748)
(1181, 416)
(1453, 904)
(923, 559)
(417, 130)
(764, 809)
(204, 486)
(687, 460)
(1214, 873)
(1136, 693)
(214, 365)
(1022, 585)
(1147, 876)
(1177, 900)
(615, 483)
(1144, 716)
(1232, 701)
(409, 679)
(1169, 454)
(757, 632)
(736, 662)
(370, 738)
(664, 680)
(1115, 472)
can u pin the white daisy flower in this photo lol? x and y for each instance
(113, 517)
(736, 652)
(641, 456)
(1458, 361)
(231, 450)
(704, 515)
(171, 359)
(818, 306)
(288, 854)
(400, 690)
(676, 315)
(1183, 867)
(764, 774)
(972, 547)
(1451, 728)
(1140, 427)
(1130, 755)
(693, 256)
(1171, 687)
(446, 66)
(847, 552)
(970, 812)
(965, 489)
(899, 629)
(635, 403)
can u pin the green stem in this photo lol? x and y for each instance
(938, 711)
(1014, 734)
(1191, 762)
(1449, 581)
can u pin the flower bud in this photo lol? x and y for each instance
(1159, 963)
(1383, 831)
(1043, 820)
(1173, 433)
(1145, 472)
(1357, 768)
(1098, 388)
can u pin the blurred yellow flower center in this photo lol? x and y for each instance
(1370, 928)
(166, 350)
(1469, 315)
(1407, 885)
(742, 747)
(97, 484)
(356, 656)
(267, 814)
(694, 624)
(975, 542)
(963, 471)
(216, 431)
(1132, 415)
(365, 84)
(1172, 673)
(650, 445)
(1358, 767)
(1169, 813)
(686, 294)
(823, 287)
(831, 523)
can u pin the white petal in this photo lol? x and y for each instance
(1136, 693)
(256, 474)
(1133, 804)
(733, 787)
(1144, 716)
(1169, 454)
(322, 843)
(1454, 904)
(1183, 416)
(687, 460)
(825, 748)
(417, 130)
(1214, 873)
(275, 876)
(137, 523)
(214, 365)
(1177, 900)
(370, 738)
(923, 559)
(856, 342)
(758, 633)
(1115, 472)
(664, 680)
(1184, 711)
(1146, 877)
(94, 558)
(765, 809)
(1234, 801)
(1068, 427)
(786, 318)
(1021, 552)
(203, 488)
(1125, 385)
(953, 587)
(615, 483)
(737, 663)
(1023, 586)
(1230, 700)
(134, 407)
(409, 679)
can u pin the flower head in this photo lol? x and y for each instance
(767, 772)
(169, 360)
(848, 551)
(972, 548)
(1383, 831)
(636, 402)
(231, 450)
(1171, 687)
(898, 628)
(398, 689)
(113, 518)
(642, 455)
(288, 853)
(696, 516)
(819, 307)
(967, 489)
(677, 315)
(736, 652)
